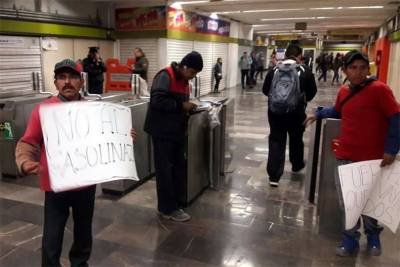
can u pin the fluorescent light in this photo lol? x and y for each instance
(363, 7)
(322, 8)
(228, 12)
(260, 25)
(214, 15)
(176, 5)
(300, 18)
(350, 7)
(190, 2)
(271, 10)
(194, 2)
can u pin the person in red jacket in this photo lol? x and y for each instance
(166, 122)
(370, 129)
(29, 148)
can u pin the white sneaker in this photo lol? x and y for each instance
(273, 184)
(177, 216)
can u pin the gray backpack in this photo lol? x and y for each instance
(285, 94)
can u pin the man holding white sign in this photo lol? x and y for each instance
(33, 145)
(370, 130)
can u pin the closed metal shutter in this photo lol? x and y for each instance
(177, 49)
(19, 58)
(149, 47)
(221, 50)
(205, 49)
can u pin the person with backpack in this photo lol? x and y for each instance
(289, 86)
(370, 129)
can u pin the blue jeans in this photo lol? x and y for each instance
(371, 226)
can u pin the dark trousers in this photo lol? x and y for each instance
(280, 126)
(252, 74)
(216, 86)
(324, 71)
(335, 76)
(244, 78)
(95, 87)
(171, 171)
(259, 71)
(56, 212)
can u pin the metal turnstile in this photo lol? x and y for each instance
(14, 115)
(220, 154)
(328, 211)
(320, 175)
(197, 179)
(142, 148)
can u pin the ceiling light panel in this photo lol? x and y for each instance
(272, 10)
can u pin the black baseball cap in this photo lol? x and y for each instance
(193, 60)
(67, 65)
(93, 49)
(353, 55)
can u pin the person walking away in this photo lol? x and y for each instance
(369, 130)
(166, 123)
(94, 66)
(253, 67)
(244, 65)
(337, 63)
(289, 86)
(323, 65)
(260, 66)
(217, 70)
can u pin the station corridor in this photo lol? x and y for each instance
(245, 224)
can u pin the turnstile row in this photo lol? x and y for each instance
(320, 180)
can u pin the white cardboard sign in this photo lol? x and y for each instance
(87, 143)
(371, 190)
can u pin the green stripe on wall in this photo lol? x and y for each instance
(141, 34)
(181, 35)
(9, 26)
(341, 48)
(395, 36)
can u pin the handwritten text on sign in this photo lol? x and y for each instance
(87, 143)
(371, 190)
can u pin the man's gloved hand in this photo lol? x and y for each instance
(188, 106)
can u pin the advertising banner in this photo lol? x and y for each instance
(191, 22)
(140, 18)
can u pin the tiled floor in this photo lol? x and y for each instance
(245, 224)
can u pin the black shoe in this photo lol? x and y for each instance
(297, 169)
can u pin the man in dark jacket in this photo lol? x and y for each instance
(289, 123)
(94, 67)
(217, 70)
(141, 63)
(166, 122)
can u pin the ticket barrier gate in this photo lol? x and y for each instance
(220, 153)
(320, 179)
(142, 149)
(14, 115)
